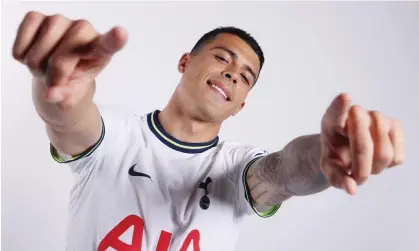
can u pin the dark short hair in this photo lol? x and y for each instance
(245, 36)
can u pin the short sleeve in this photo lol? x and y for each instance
(114, 126)
(243, 158)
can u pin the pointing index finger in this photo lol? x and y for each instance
(336, 114)
(361, 144)
(109, 43)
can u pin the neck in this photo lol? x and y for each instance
(182, 125)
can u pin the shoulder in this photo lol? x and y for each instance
(237, 150)
(120, 115)
(120, 121)
(120, 127)
(240, 155)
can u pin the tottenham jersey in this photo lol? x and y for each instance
(138, 188)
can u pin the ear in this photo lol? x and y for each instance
(239, 109)
(183, 62)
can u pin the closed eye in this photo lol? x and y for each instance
(245, 79)
(221, 58)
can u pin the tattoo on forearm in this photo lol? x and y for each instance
(294, 171)
(260, 195)
(255, 185)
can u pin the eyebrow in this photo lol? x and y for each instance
(234, 55)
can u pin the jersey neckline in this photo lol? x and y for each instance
(170, 141)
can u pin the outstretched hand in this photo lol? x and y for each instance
(357, 143)
(66, 54)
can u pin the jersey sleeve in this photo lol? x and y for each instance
(114, 129)
(243, 158)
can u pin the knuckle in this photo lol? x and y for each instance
(384, 154)
(356, 110)
(379, 122)
(83, 25)
(33, 15)
(57, 18)
(16, 54)
(376, 115)
(387, 156)
(32, 62)
(376, 170)
(400, 159)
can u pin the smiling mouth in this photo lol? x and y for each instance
(219, 90)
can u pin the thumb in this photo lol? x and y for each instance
(337, 113)
(107, 44)
(337, 177)
(68, 95)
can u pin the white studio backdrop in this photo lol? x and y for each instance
(313, 50)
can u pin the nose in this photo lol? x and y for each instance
(230, 77)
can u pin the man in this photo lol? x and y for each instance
(164, 180)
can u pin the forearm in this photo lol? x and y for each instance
(73, 129)
(293, 171)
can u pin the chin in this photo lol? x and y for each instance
(212, 114)
(207, 108)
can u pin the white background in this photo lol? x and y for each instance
(313, 50)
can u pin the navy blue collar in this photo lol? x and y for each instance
(170, 141)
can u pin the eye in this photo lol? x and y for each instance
(245, 79)
(221, 58)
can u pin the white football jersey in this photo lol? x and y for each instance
(138, 188)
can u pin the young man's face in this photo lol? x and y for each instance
(217, 79)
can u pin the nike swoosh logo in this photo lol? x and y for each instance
(132, 172)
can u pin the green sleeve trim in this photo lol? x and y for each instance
(56, 156)
(266, 214)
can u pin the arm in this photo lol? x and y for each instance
(354, 143)
(293, 171)
(70, 130)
